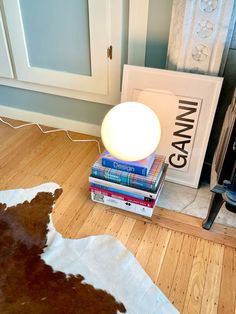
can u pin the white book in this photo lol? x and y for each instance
(128, 206)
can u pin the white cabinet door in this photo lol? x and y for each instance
(60, 43)
(5, 61)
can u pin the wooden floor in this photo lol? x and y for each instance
(195, 268)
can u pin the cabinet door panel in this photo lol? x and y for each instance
(60, 43)
(54, 32)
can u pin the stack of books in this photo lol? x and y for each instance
(131, 186)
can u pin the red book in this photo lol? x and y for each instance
(122, 197)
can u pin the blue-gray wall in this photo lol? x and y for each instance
(53, 105)
(157, 40)
(158, 32)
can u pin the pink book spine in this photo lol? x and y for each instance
(122, 197)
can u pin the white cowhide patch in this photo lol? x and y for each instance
(102, 260)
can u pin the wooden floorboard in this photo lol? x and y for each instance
(180, 280)
(194, 294)
(194, 267)
(190, 225)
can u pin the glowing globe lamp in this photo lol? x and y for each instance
(131, 131)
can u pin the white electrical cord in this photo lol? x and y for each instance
(50, 131)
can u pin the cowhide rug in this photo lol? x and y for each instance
(41, 272)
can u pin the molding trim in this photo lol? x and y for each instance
(51, 121)
(198, 35)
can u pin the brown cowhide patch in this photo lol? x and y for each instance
(27, 284)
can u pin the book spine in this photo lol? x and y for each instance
(119, 165)
(160, 189)
(128, 206)
(122, 197)
(109, 184)
(123, 179)
(120, 191)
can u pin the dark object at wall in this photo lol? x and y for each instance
(223, 173)
(226, 95)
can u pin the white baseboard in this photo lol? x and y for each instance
(51, 121)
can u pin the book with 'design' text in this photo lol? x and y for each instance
(141, 167)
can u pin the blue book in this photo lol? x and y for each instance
(141, 167)
(147, 183)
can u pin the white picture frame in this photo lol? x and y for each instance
(185, 104)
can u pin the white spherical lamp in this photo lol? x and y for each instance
(131, 131)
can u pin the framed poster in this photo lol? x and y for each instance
(185, 104)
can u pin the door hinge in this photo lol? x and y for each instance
(109, 52)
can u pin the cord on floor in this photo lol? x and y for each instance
(50, 131)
